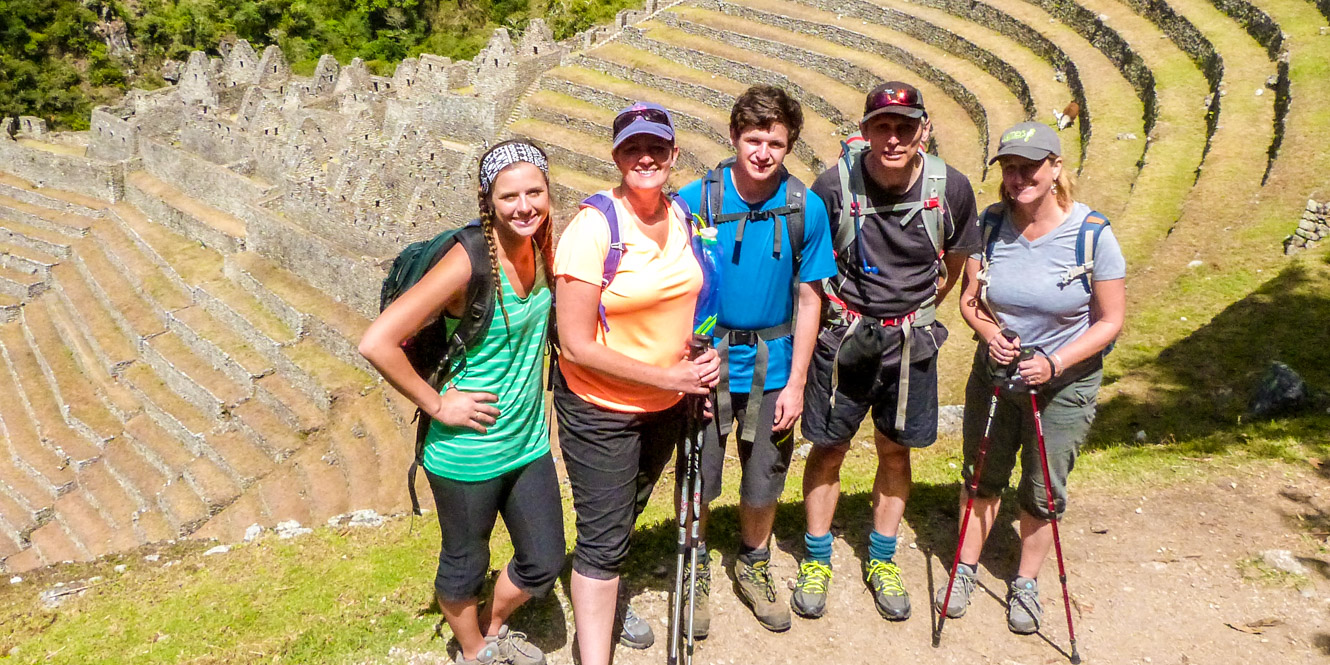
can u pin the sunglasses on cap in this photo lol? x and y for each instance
(655, 116)
(893, 97)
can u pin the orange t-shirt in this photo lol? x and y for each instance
(648, 305)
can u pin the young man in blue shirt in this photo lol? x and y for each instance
(776, 241)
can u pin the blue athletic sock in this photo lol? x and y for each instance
(881, 547)
(819, 547)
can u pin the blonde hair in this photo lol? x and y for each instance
(1064, 187)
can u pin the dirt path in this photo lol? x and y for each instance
(1154, 586)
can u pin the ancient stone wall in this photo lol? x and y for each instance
(1313, 226)
(86, 175)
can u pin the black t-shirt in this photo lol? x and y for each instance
(905, 258)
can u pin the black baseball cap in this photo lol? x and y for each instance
(894, 97)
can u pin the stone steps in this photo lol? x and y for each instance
(25, 501)
(586, 98)
(17, 188)
(44, 407)
(329, 331)
(572, 149)
(20, 285)
(960, 135)
(85, 408)
(51, 470)
(571, 186)
(51, 544)
(1178, 147)
(116, 508)
(819, 142)
(102, 333)
(54, 221)
(972, 74)
(171, 208)
(35, 238)
(563, 104)
(27, 260)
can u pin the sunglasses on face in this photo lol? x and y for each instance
(893, 97)
(656, 116)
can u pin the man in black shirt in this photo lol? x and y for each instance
(904, 224)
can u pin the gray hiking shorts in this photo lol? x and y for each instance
(1066, 409)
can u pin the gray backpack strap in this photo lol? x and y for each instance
(724, 405)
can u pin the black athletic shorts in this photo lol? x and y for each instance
(613, 459)
(764, 461)
(873, 387)
(528, 499)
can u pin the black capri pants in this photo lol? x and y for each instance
(613, 460)
(528, 499)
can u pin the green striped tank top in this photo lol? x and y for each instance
(508, 362)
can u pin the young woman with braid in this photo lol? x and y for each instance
(488, 451)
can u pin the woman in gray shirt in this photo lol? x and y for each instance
(1031, 278)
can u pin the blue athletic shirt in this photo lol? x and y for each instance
(755, 292)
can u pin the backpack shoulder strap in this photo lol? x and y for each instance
(713, 191)
(1087, 240)
(934, 192)
(796, 199)
(480, 288)
(850, 168)
(603, 202)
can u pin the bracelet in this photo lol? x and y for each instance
(1056, 363)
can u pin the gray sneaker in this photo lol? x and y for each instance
(889, 595)
(1024, 613)
(635, 633)
(966, 581)
(809, 599)
(487, 656)
(758, 591)
(513, 648)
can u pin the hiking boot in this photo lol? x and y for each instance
(1024, 613)
(635, 633)
(513, 648)
(809, 599)
(966, 581)
(487, 656)
(702, 593)
(884, 578)
(758, 592)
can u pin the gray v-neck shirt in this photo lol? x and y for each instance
(1027, 285)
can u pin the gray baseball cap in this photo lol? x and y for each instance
(1031, 140)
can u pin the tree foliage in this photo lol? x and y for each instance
(55, 64)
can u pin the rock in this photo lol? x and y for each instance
(1140, 436)
(253, 532)
(1284, 560)
(290, 529)
(121, 568)
(1260, 91)
(1103, 18)
(365, 517)
(802, 451)
(950, 419)
(15, 579)
(220, 549)
(152, 558)
(1127, 136)
(1195, 264)
(1272, 81)
(1280, 392)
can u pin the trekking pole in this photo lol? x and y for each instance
(971, 490)
(676, 612)
(695, 477)
(1052, 511)
(690, 507)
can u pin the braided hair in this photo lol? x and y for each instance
(543, 238)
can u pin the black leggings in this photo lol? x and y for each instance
(528, 499)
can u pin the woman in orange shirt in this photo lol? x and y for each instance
(623, 372)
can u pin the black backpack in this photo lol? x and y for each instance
(435, 353)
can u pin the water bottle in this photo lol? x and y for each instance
(709, 257)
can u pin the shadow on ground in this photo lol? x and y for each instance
(1200, 386)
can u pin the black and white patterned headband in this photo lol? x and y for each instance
(506, 155)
